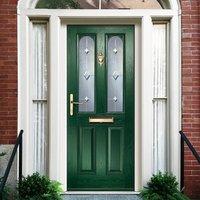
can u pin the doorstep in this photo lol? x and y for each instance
(100, 197)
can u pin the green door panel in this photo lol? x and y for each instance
(100, 156)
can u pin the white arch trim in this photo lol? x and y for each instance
(30, 4)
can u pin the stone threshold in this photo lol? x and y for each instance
(100, 197)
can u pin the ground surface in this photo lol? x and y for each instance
(100, 197)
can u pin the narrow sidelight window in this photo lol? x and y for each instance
(160, 97)
(39, 83)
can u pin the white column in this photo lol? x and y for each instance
(63, 107)
(147, 96)
(138, 161)
(175, 97)
(58, 108)
(23, 87)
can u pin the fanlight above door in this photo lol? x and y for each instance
(103, 4)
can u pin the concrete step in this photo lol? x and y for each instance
(101, 197)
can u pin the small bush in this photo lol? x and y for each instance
(162, 187)
(37, 187)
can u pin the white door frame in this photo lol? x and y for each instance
(58, 19)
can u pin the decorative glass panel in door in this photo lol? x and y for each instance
(115, 74)
(100, 134)
(86, 64)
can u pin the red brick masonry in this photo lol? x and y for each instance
(191, 91)
(190, 82)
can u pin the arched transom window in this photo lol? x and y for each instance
(102, 4)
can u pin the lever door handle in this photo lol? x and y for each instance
(72, 103)
(78, 103)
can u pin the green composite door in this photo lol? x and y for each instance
(100, 136)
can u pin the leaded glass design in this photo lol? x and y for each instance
(103, 4)
(115, 74)
(86, 60)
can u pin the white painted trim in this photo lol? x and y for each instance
(137, 24)
(58, 90)
(138, 139)
(25, 4)
(57, 104)
(147, 96)
(168, 95)
(30, 95)
(63, 106)
(85, 13)
(23, 86)
(175, 97)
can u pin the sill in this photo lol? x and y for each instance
(100, 192)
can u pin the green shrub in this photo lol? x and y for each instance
(162, 187)
(6, 193)
(37, 187)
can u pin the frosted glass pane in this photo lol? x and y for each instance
(40, 138)
(86, 73)
(159, 136)
(40, 61)
(115, 74)
(159, 61)
(160, 101)
(40, 93)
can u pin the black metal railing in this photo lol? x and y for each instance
(192, 149)
(5, 177)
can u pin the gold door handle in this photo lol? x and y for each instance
(77, 103)
(72, 103)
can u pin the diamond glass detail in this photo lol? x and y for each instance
(86, 75)
(115, 99)
(115, 75)
(86, 99)
(115, 50)
(87, 51)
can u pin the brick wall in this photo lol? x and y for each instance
(190, 82)
(8, 71)
(191, 91)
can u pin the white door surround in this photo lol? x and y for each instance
(57, 21)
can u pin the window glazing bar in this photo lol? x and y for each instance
(39, 100)
(159, 98)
